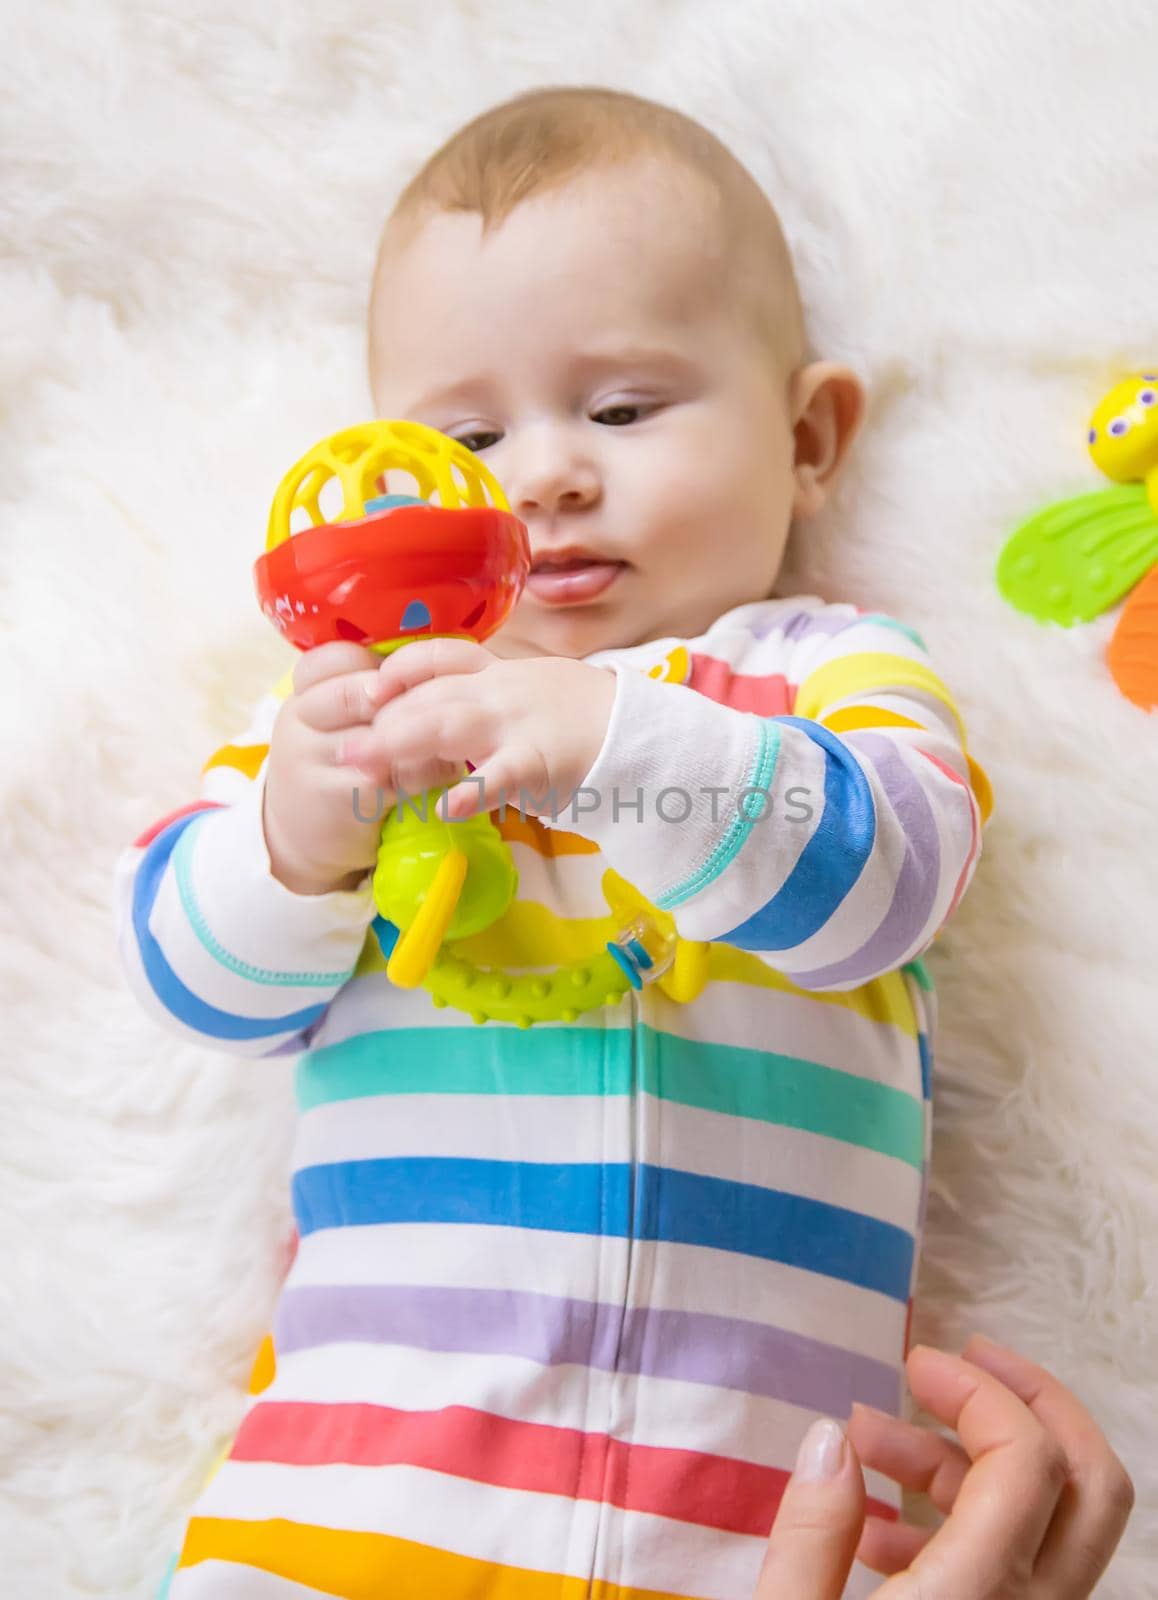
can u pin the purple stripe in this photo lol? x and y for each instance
(697, 1347)
(801, 625)
(917, 882)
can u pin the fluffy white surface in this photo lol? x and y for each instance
(191, 199)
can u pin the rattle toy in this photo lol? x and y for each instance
(450, 562)
(1079, 556)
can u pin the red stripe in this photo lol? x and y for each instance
(159, 827)
(768, 695)
(973, 814)
(714, 1491)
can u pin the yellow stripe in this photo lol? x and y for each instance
(245, 758)
(867, 717)
(284, 686)
(869, 670)
(378, 1566)
(982, 788)
(529, 935)
(264, 1366)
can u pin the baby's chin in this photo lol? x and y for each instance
(575, 633)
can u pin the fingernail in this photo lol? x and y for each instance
(821, 1452)
(873, 1411)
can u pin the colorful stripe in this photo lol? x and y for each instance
(356, 1566)
(918, 882)
(708, 1490)
(767, 694)
(735, 1082)
(174, 995)
(865, 672)
(701, 1347)
(243, 758)
(191, 810)
(609, 1198)
(830, 862)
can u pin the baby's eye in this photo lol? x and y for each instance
(477, 441)
(617, 416)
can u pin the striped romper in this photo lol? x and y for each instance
(566, 1299)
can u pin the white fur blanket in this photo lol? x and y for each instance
(191, 194)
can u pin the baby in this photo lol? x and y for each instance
(566, 1299)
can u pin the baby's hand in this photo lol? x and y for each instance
(319, 835)
(531, 728)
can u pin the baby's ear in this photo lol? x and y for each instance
(826, 403)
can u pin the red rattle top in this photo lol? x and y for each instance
(388, 568)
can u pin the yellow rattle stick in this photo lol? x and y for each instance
(382, 570)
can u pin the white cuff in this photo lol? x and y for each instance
(245, 911)
(666, 747)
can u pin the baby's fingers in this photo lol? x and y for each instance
(339, 691)
(330, 661)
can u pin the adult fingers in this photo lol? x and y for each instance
(429, 658)
(818, 1522)
(1095, 1503)
(1004, 1506)
(917, 1458)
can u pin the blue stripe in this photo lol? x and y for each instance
(926, 1067)
(166, 985)
(674, 1206)
(831, 861)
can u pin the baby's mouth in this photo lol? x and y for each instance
(566, 578)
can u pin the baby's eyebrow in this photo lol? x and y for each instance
(663, 357)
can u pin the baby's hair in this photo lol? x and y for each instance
(541, 139)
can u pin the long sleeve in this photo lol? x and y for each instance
(212, 944)
(836, 835)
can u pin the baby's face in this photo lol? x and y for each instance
(590, 353)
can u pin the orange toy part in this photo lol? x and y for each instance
(1132, 655)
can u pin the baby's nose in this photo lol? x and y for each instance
(551, 478)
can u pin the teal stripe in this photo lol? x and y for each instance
(729, 847)
(899, 627)
(754, 1084)
(182, 866)
(920, 973)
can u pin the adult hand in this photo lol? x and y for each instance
(1035, 1499)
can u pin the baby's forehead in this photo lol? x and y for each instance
(647, 245)
(649, 224)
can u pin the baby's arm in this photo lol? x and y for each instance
(224, 945)
(837, 838)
